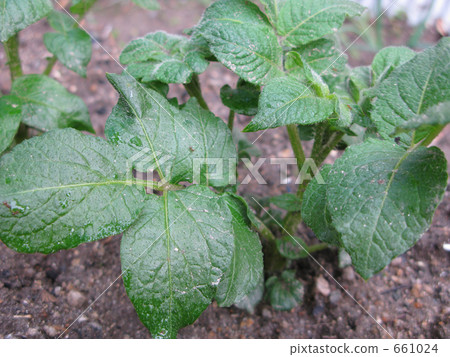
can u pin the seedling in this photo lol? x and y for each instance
(193, 239)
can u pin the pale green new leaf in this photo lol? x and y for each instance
(60, 21)
(15, 15)
(241, 37)
(304, 21)
(147, 4)
(72, 48)
(429, 124)
(174, 257)
(411, 89)
(382, 198)
(389, 58)
(285, 292)
(246, 268)
(163, 57)
(286, 101)
(62, 189)
(322, 56)
(438, 115)
(47, 105)
(10, 118)
(80, 7)
(158, 136)
(315, 211)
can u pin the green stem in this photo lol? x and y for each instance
(379, 26)
(13, 58)
(418, 32)
(296, 143)
(194, 90)
(51, 63)
(317, 247)
(318, 139)
(333, 140)
(231, 120)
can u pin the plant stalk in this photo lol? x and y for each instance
(231, 120)
(296, 143)
(379, 26)
(50, 64)
(194, 90)
(12, 55)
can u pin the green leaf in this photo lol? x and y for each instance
(304, 21)
(163, 57)
(154, 133)
(286, 101)
(147, 4)
(315, 211)
(291, 248)
(428, 125)
(389, 58)
(246, 268)
(241, 37)
(285, 292)
(245, 147)
(287, 201)
(62, 189)
(61, 22)
(382, 198)
(15, 15)
(252, 299)
(301, 69)
(174, 257)
(80, 7)
(438, 115)
(243, 99)
(72, 48)
(322, 56)
(411, 89)
(360, 79)
(47, 105)
(10, 118)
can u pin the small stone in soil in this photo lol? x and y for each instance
(50, 331)
(322, 286)
(75, 298)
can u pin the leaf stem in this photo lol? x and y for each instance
(12, 55)
(317, 247)
(231, 120)
(296, 143)
(51, 63)
(194, 90)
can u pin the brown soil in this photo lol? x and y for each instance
(40, 296)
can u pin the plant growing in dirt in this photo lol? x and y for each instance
(165, 175)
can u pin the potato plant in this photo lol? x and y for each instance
(165, 175)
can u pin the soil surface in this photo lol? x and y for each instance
(41, 296)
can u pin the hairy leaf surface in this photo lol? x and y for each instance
(285, 292)
(315, 211)
(246, 268)
(286, 101)
(174, 257)
(411, 89)
(47, 105)
(73, 48)
(389, 58)
(163, 57)
(303, 21)
(241, 37)
(62, 189)
(382, 198)
(157, 136)
(15, 15)
(10, 118)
